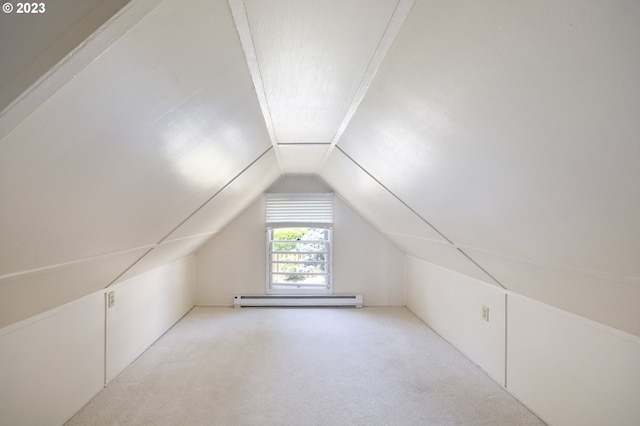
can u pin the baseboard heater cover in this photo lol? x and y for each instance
(298, 301)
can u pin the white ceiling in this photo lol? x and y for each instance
(312, 55)
(496, 139)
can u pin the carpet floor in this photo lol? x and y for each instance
(370, 366)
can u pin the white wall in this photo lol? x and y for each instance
(53, 363)
(234, 261)
(567, 369)
(145, 307)
(365, 261)
(570, 370)
(451, 304)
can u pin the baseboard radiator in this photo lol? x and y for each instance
(299, 301)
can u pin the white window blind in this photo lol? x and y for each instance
(315, 208)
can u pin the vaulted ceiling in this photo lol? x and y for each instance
(497, 139)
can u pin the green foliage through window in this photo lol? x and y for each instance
(299, 255)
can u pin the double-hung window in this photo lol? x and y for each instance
(299, 231)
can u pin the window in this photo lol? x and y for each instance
(299, 237)
(300, 259)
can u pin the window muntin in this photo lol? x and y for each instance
(299, 258)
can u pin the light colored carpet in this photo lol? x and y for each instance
(371, 366)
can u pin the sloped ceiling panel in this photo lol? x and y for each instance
(52, 79)
(132, 146)
(234, 198)
(36, 42)
(412, 234)
(372, 201)
(513, 130)
(496, 126)
(137, 142)
(211, 217)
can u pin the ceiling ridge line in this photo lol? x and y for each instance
(241, 21)
(395, 24)
(419, 216)
(190, 216)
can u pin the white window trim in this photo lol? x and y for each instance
(301, 289)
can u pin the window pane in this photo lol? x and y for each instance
(299, 258)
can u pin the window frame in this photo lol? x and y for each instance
(279, 288)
